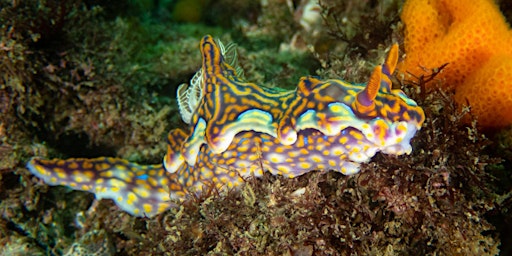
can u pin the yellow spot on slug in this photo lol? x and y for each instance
(79, 179)
(152, 181)
(253, 157)
(41, 170)
(73, 165)
(305, 165)
(231, 161)
(102, 166)
(88, 174)
(162, 207)
(87, 165)
(174, 187)
(282, 169)
(207, 175)
(131, 198)
(147, 208)
(357, 135)
(60, 173)
(107, 174)
(120, 167)
(293, 154)
(141, 192)
(316, 159)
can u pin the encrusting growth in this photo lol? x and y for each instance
(475, 40)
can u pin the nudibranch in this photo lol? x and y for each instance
(237, 129)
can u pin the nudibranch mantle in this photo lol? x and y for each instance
(237, 129)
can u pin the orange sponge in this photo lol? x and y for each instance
(473, 37)
(489, 91)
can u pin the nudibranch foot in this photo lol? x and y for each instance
(141, 190)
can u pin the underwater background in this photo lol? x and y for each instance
(99, 78)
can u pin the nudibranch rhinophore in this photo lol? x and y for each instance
(238, 129)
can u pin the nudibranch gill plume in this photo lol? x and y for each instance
(238, 129)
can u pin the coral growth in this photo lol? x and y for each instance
(474, 39)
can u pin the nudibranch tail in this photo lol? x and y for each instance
(141, 190)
